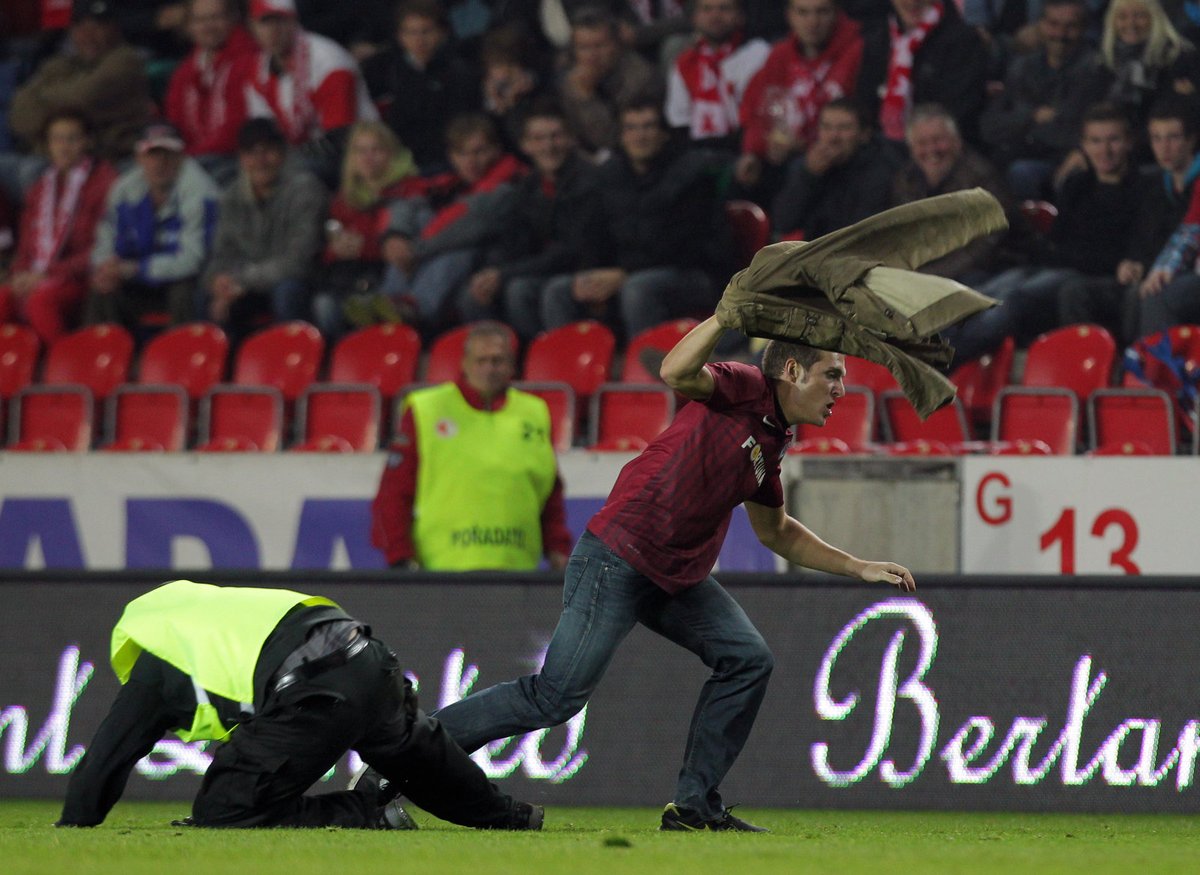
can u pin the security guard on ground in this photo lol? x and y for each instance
(290, 683)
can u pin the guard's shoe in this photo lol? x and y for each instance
(368, 780)
(393, 816)
(526, 816)
(676, 819)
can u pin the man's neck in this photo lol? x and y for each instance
(1114, 177)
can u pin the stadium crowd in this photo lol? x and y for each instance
(541, 162)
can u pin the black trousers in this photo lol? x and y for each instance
(258, 778)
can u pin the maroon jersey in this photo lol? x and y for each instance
(669, 510)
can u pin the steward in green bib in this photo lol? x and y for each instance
(472, 480)
(289, 682)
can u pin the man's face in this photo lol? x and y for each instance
(275, 34)
(420, 37)
(548, 144)
(1061, 28)
(474, 157)
(160, 167)
(595, 48)
(839, 131)
(1106, 145)
(1173, 149)
(716, 20)
(66, 142)
(812, 22)
(810, 393)
(262, 164)
(488, 365)
(935, 148)
(642, 134)
(209, 24)
(369, 155)
(94, 38)
(910, 11)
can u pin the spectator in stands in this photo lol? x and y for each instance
(512, 80)
(206, 99)
(845, 176)
(58, 227)
(434, 241)
(420, 84)
(1145, 58)
(818, 62)
(941, 163)
(600, 76)
(553, 221)
(155, 234)
(268, 234)
(708, 80)
(1112, 301)
(8, 240)
(156, 27)
(655, 28)
(1033, 123)
(306, 82)
(376, 171)
(100, 72)
(643, 266)
(924, 53)
(1096, 208)
(363, 26)
(472, 482)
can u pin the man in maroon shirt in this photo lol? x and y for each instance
(647, 556)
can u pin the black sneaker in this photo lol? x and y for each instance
(676, 819)
(393, 816)
(526, 816)
(391, 813)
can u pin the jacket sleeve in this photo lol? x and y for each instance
(307, 204)
(74, 263)
(138, 718)
(105, 245)
(197, 219)
(484, 219)
(392, 509)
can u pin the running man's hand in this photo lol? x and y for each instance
(889, 572)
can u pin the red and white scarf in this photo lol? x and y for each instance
(204, 109)
(288, 93)
(714, 108)
(54, 215)
(897, 95)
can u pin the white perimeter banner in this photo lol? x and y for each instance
(1054, 515)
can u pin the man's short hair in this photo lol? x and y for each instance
(67, 113)
(462, 127)
(926, 112)
(777, 352)
(1082, 4)
(593, 18)
(646, 99)
(1105, 111)
(257, 132)
(544, 107)
(855, 108)
(430, 9)
(488, 328)
(1176, 106)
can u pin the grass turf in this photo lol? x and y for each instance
(138, 838)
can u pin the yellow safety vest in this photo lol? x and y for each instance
(483, 478)
(213, 634)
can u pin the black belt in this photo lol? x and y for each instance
(333, 659)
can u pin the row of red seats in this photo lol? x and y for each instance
(274, 382)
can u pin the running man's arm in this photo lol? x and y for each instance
(683, 368)
(789, 538)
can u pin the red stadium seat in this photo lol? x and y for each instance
(623, 444)
(1123, 448)
(869, 375)
(920, 447)
(1030, 414)
(579, 354)
(821, 446)
(147, 418)
(1078, 357)
(52, 418)
(902, 424)
(659, 339)
(192, 356)
(1142, 416)
(446, 353)
(1020, 448)
(18, 360)
(241, 418)
(751, 228)
(97, 357)
(979, 380)
(284, 357)
(620, 410)
(344, 416)
(852, 422)
(560, 398)
(385, 356)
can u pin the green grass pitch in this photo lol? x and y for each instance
(138, 838)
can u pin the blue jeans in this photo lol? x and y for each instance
(603, 597)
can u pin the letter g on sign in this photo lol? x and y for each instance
(994, 507)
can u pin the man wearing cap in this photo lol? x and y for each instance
(268, 234)
(289, 682)
(155, 234)
(308, 83)
(102, 74)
